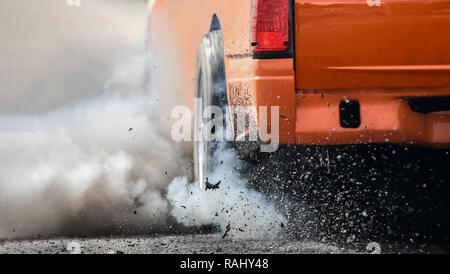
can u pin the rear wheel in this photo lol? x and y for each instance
(210, 90)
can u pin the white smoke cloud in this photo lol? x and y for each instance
(51, 53)
(239, 211)
(103, 165)
(97, 165)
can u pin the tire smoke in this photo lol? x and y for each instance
(97, 166)
(238, 211)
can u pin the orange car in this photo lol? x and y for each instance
(340, 71)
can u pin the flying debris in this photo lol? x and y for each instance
(227, 229)
(212, 186)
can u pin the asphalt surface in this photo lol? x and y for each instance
(199, 244)
(191, 244)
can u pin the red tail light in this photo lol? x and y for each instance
(270, 25)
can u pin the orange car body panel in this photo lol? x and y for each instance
(344, 44)
(385, 117)
(344, 50)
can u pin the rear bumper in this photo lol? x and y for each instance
(313, 117)
(385, 116)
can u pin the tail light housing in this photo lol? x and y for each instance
(271, 28)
